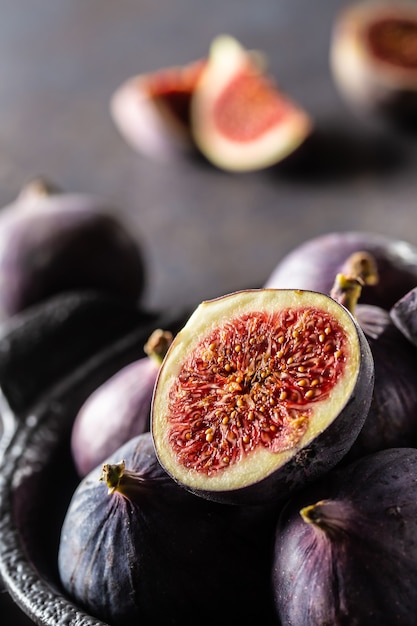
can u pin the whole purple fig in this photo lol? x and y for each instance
(404, 315)
(345, 550)
(137, 548)
(52, 241)
(119, 409)
(392, 417)
(314, 264)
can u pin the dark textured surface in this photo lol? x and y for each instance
(204, 232)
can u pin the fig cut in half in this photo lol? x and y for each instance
(373, 57)
(240, 119)
(261, 391)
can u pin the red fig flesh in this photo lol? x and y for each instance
(374, 60)
(240, 120)
(260, 391)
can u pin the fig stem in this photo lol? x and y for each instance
(157, 345)
(331, 516)
(312, 514)
(112, 474)
(119, 479)
(36, 188)
(347, 290)
(362, 266)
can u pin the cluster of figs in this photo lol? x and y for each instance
(258, 464)
(229, 108)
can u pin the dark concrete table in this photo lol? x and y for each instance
(204, 232)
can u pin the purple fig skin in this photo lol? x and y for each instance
(314, 264)
(345, 550)
(404, 315)
(392, 417)
(117, 411)
(52, 242)
(160, 555)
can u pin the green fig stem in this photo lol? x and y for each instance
(362, 266)
(346, 291)
(119, 479)
(157, 345)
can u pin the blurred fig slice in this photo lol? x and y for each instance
(119, 409)
(261, 391)
(373, 57)
(314, 263)
(152, 111)
(345, 550)
(52, 241)
(240, 119)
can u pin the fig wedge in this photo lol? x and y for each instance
(240, 119)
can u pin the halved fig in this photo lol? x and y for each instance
(261, 391)
(374, 57)
(152, 110)
(240, 119)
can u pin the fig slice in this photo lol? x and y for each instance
(152, 110)
(261, 391)
(373, 57)
(240, 119)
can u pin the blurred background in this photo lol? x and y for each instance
(204, 232)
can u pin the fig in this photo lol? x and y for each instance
(404, 315)
(345, 550)
(392, 417)
(373, 58)
(315, 262)
(119, 409)
(137, 548)
(261, 391)
(53, 241)
(46, 342)
(152, 110)
(240, 119)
